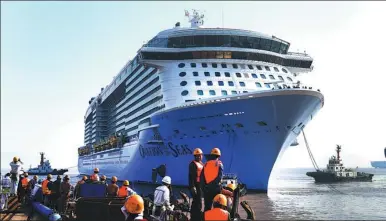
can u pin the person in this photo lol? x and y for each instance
(219, 211)
(20, 188)
(77, 186)
(32, 183)
(133, 208)
(125, 190)
(65, 188)
(195, 169)
(211, 178)
(55, 192)
(24, 185)
(5, 190)
(112, 188)
(228, 193)
(162, 197)
(103, 179)
(37, 192)
(46, 191)
(15, 171)
(95, 176)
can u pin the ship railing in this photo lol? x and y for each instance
(298, 85)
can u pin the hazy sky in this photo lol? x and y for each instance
(56, 55)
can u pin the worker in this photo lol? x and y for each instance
(15, 171)
(20, 188)
(24, 185)
(133, 208)
(195, 169)
(55, 192)
(219, 211)
(162, 197)
(77, 186)
(125, 190)
(229, 188)
(103, 179)
(112, 188)
(5, 191)
(95, 176)
(65, 188)
(31, 185)
(211, 178)
(46, 191)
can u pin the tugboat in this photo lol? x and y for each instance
(335, 172)
(45, 168)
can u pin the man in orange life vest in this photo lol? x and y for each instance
(195, 168)
(125, 190)
(95, 176)
(24, 185)
(46, 191)
(219, 211)
(211, 178)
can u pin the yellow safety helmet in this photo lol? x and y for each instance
(84, 178)
(126, 183)
(215, 151)
(220, 199)
(49, 176)
(197, 151)
(96, 170)
(231, 186)
(114, 179)
(134, 204)
(15, 159)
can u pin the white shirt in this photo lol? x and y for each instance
(15, 167)
(162, 197)
(37, 186)
(6, 182)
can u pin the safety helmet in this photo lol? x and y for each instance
(215, 151)
(126, 183)
(49, 176)
(197, 151)
(25, 174)
(232, 186)
(167, 180)
(84, 178)
(96, 170)
(114, 179)
(36, 177)
(220, 199)
(15, 159)
(103, 177)
(134, 204)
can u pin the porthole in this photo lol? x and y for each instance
(181, 65)
(193, 65)
(204, 65)
(290, 79)
(284, 70)
(184, 93)
(183, 83)
(275, 68)
(182, 74)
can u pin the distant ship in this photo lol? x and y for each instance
(335, 172)
(379, 164)
(45, 168)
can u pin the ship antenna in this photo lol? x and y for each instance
(41, 158)
(338, 148)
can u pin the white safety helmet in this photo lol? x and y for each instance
(167, 180)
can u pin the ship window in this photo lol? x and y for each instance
(182, 74)
(347, 174)
(193, 65)
(224, 92)
(184, 93)
(290, 79)
(239, 125)
(258, 84)
(198, 83)
(271, 76)
(230, 83)
(227, 74)
(183, 83)
(267, 85)
(212, 92)
(210, 83)
(284, 70)
(207, 74)
(275, 68)
(263, 76)
(259, 67)
(245, 92)
(336, 167)
(242, 84)
(204, 65)
(250, 66)
(217, 74)
(224, 65)
(238, 75)
(200, 92)
(267, 68)
(221, 83)
(281, 78)
(195, 74)
(214, 65)
(181, 65)
(254, 75)
(234, 66)
(262, 123)
(234, 92)
(246, 75)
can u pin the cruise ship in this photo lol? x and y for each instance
(192, 87)
(379, 164)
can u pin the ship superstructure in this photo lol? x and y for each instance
(200, 87)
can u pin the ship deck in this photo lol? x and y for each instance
(15, 211)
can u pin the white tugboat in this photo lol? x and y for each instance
(45, 168)
(336, 172)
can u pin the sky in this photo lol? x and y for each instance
(56, 55)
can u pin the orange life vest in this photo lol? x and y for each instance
(211, 169)
(199, 166)
(24, 182)
(94, 177)
(216, 214)
(122, 192)
(45, 189)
